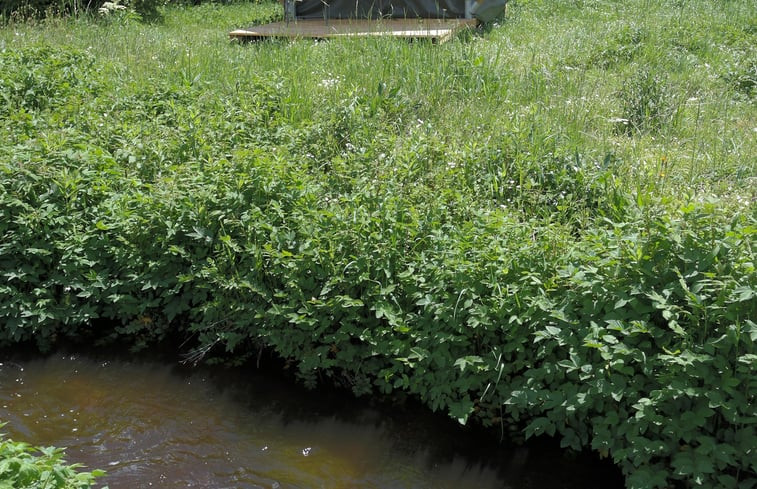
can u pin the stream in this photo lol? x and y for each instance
(158, 425)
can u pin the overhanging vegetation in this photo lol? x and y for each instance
(549, 226)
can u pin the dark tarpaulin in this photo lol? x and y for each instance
(374, 9)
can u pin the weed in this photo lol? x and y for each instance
(458, 222)
(742, 77)
(648, 102)
(22, 465)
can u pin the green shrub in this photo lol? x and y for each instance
(647, 317)
(382, 261)
(25, 467)
(42, 77)
(21, 9)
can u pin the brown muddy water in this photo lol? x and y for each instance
(154, 425)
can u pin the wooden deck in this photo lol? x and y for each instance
(437, 30)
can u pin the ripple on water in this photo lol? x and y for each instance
(151, 425)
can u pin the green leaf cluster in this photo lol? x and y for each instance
(25, 467)
(508, 282)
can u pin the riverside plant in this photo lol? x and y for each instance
(24, 466)
(464, 222)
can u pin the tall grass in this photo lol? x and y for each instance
(580, 77)
(547, 223)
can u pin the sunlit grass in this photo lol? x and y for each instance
(481, 193)
(559, 72)
(556, 69)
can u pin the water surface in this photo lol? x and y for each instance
(155, 425)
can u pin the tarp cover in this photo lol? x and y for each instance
(374, 9)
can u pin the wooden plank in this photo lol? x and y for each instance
(438, 30)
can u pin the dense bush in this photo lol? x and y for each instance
(38, 8)
(26, 467)
(147, 9)
(529, 292)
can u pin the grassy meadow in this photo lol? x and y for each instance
(546, 226)
(665, 89)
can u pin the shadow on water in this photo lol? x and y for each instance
(156, 424)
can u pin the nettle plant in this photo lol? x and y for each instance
(25, 467)
(646, 350)
(167, 210)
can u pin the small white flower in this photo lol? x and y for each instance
(109, 7)
(329, 82)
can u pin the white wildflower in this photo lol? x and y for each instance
(109, 7)
(329, 82)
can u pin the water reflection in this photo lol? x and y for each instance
(151, 425)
